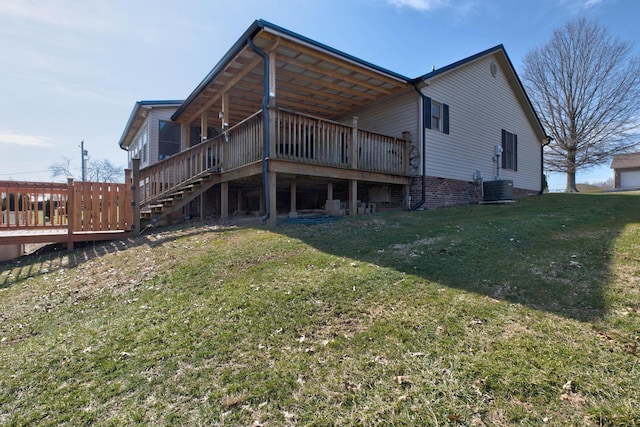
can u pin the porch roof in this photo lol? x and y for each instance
(311, 78)
(626, 161)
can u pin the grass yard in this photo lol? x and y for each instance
(520, 314)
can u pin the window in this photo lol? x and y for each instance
(145, 150)
(436, 115)
(509, 150)
(143, 141)
(195, 137)
(139, 147)
(168, 139)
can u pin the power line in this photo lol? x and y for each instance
(23, 173)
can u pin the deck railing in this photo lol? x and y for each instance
(42, 212)
(298, 138)
(236, 146)
(33, 205)
(100, 206)
(79, 206)
(312, 140)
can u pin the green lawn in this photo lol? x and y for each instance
(519, 314)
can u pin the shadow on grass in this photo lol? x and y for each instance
(52, 257)
(551, 253)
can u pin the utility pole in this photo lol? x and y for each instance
(84, 154)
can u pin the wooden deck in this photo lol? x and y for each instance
(299, 144)
(57, 235)
(39, 212)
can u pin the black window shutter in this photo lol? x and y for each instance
(504, 149)
(445, 118)
(515, 152)
(426, 112)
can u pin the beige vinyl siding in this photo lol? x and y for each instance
(155, 116)
(391, 116)
(480, 106)
(143, 129)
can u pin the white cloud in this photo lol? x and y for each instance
(589, 3)
(76, 92)
(580, 5)
(23, 140)
(421, 5)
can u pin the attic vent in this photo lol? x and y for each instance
(494, 69)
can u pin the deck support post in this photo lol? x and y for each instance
(330, 191)
(203, 125)
(135, 196)
(70, 213)
(240, 206)
(294, 190)
(353, 197)
(225, 111)
(224, 200)
(406, 135)
(353, 151)
(272, 199)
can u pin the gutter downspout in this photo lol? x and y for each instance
(424, 151)
(265, 135)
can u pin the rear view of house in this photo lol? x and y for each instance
(284, 124)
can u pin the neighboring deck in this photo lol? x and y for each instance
(38, 212)
(58, 235)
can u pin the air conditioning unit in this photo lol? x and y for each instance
(500, 190)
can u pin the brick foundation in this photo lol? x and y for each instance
(442, 192)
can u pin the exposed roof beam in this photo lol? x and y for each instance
(228, 85)
(349, 78)
(333, 58)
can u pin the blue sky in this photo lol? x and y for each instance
(72, 70)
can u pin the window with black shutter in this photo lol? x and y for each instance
(436, 115)
(509, 150)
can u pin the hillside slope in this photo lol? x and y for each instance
(523, 314)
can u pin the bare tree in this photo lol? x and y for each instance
(105, 171)
(97, 170)
(62, 168)
(585, 85)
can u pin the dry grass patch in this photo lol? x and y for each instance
(464, 316)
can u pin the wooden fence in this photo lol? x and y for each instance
(72, 212)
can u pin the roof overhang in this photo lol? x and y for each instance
(626, 161)
(311, 78)
(138, 116)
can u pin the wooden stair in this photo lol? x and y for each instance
(177, 199)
